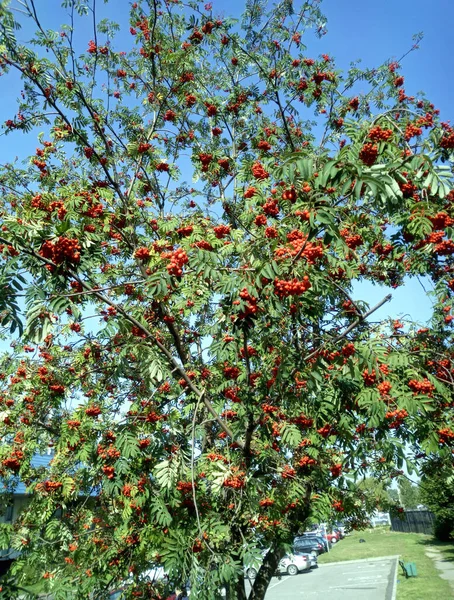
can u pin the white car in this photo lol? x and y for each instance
(291, 564)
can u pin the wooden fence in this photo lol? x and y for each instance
(414, 521)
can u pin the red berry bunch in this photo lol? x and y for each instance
(13, 461)
(108, 471)
(353, 240)
(142, 253)
(184, 486)
(62, 250)
(336, 470)
(231, 372)
(396, 417)
(220, 231)
(288, 472)
(185, 231)
(265, 502)
(368, 154)
(93, 411)
(290, 195)
(441, 220)
(264, 145)
(250, 192)
(421, 387)
(306, 462)
(236, 482)
(271, 208)
(251, 307)
(178, 259)
(377, 134)
(232, 394)
(446, 436)
(369, 378)
(169, 115)
(303, 421)
(384, 388)
(294, 287)
(412, 131)
(259, 172)
(143, 147)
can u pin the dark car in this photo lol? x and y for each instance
(313, 536)
(309, 545)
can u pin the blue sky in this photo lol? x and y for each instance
(373, 31)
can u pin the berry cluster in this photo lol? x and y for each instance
(108, 471)
(306, 462)
(93, 411)
(289, 194)
(250, 192)
(446, 436)
(220, 231)
(184, 486)
(369, 378)
(396, 417)
(259, 172)
(143, 147)
(251, 307)
(288, 472)
(142, 253)
(232, 394)
(266, 502)
(336, 470)
(368, 154)
(13, 462)
(236, 482)
(447, 141)
(421, 387)
(178, 259)
(264, 145)
(384, 388)
(49, 486)
(377, 134)
(353, 240)
(412, 131)
(62, 250)
(231, 372)
(441, 220)
(294, 287)
(271, 208)
(325, 431)
(303, 421)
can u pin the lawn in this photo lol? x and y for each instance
(410, 546)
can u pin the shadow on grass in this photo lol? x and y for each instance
(446, 548)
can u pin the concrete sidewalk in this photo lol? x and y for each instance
(442, 564)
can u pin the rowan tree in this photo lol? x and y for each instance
(178, 260)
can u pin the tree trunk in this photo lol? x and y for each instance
(266, 572)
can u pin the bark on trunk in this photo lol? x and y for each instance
(266, 572)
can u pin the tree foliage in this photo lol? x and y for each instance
(437, 493)
(178, 260)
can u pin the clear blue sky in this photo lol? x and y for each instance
(373, 31)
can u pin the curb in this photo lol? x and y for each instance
(359, 560)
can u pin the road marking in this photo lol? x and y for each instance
(278, 583)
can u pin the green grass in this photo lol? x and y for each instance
(410, 547)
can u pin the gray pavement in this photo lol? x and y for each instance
(371, 579)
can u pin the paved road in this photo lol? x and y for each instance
(371, 579)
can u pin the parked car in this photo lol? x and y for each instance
(311, 558)
(309, 545)
(339, 533)
(292, 564)
(319, 537)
